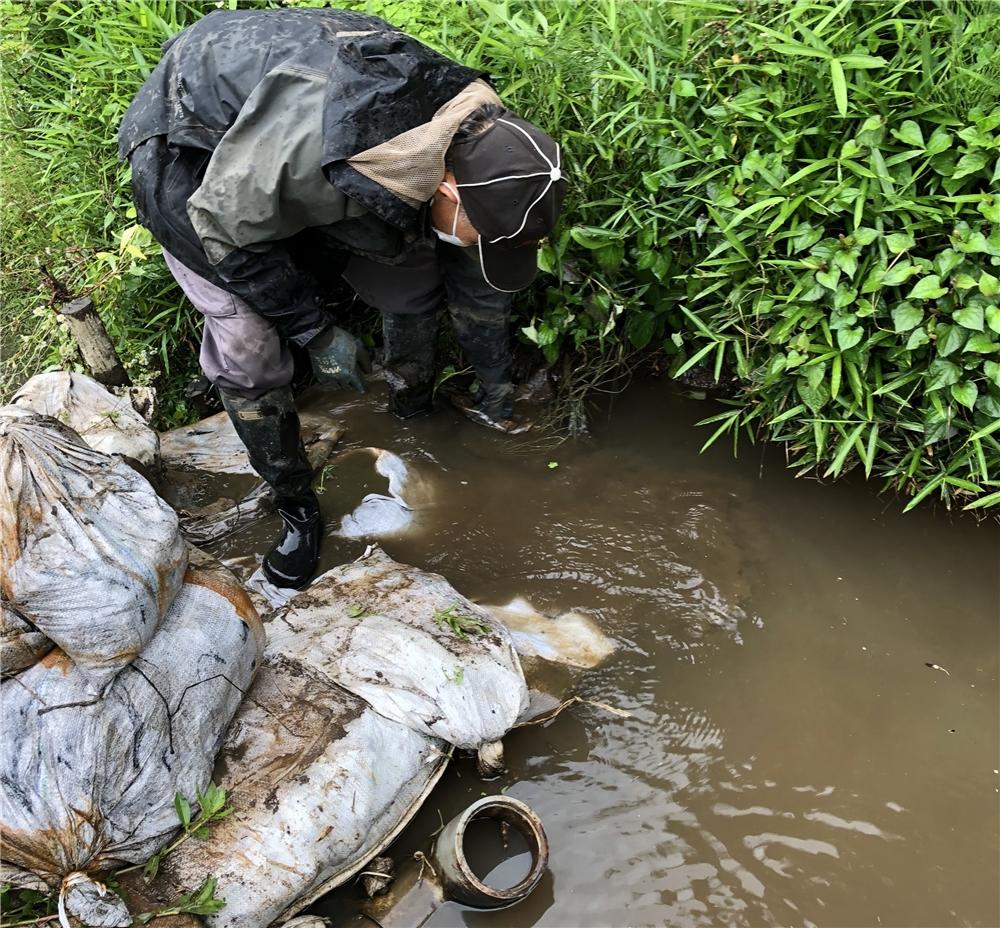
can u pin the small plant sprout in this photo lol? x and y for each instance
(457, 676)
(461, 623)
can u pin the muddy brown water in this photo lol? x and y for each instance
(791, 758)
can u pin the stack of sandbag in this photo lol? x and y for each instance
(106, 422)
(369, 677)
(90, 556)
(146, 658)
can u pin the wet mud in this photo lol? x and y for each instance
(811, 675)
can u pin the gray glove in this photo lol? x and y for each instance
(336, 359)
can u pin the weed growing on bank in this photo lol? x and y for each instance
(800, 194)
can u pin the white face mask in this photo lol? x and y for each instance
(451, 238)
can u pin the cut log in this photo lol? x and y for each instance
(95, 345)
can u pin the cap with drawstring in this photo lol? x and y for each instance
(512, 187)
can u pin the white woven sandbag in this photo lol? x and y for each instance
(89, 554)
(21, 644)
(388, 638)
(319, 783)
(87, 783)
(104, 421)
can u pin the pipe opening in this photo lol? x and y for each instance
(477, 869)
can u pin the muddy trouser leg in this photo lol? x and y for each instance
(408, 294)
(480, 317)
(252, 368)
(408, 340)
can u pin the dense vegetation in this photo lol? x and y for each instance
(797, 194)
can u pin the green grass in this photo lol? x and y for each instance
(797, 193)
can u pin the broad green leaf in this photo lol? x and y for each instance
(906, 316)
(992, 370)
(899, 273)
(981, 343)
(939, 141)
(828, 278)
(927, 288)
(899, 241)
(918, 338)
(846, 261)
(839, 85)
(815, 397)
(993, 318)
(950, 338)
(946, 261)
(864, 235)
(843, 297)
(909, 133)
(988, 284)
(963, 281)
(685, 88)
(971, 317)
(965, 393)
(183, 809)
(942, 374)
(971, 163)
(848, 338)
(990, 208)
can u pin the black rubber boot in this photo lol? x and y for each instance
(269, 427)
(409, 362)
(483, 332)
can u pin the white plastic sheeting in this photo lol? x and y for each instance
(106, 422)
(89, 554)
(89, 782)
(344, 733)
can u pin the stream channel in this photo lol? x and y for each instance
(791, 758)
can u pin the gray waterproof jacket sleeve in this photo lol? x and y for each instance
(263, 185)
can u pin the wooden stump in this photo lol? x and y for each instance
(95, 345)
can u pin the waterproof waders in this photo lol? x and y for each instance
(269, 427)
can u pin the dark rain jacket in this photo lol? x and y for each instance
(241, 109)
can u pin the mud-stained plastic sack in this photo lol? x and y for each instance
(104, 421)
(416, 650)
(88, 783)
(21, 644)
(89, 554)
(319, 783)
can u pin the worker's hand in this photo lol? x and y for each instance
(336, 359)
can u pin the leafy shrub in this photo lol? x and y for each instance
(800, 193)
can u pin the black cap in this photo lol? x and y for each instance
(511, 184)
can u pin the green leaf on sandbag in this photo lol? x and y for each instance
(927, 288)
(906, 316)
(965, 393)
(971, 317)
(942, 374)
